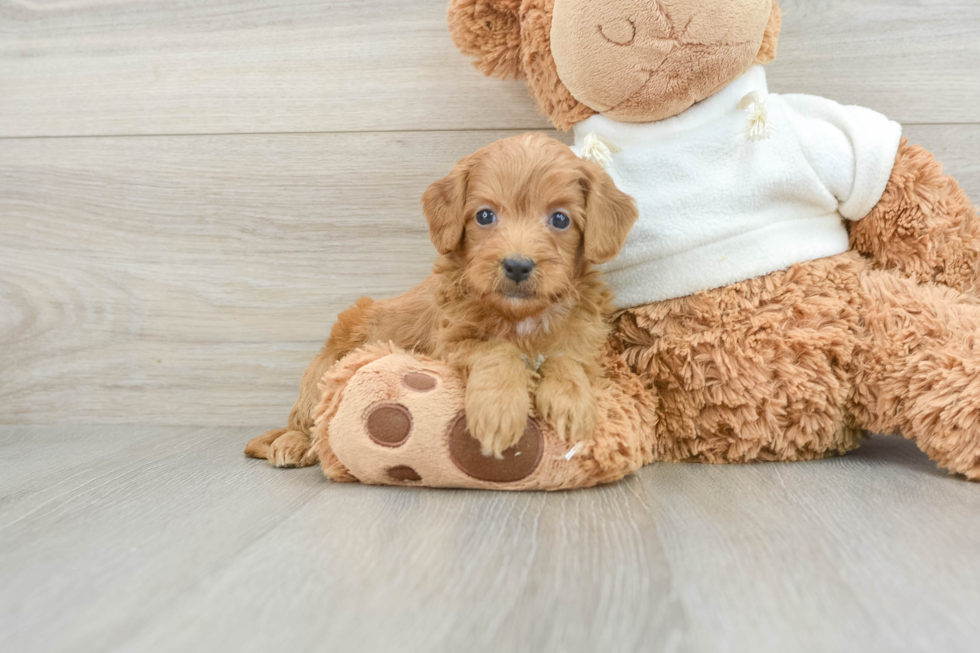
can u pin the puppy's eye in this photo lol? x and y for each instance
(485, 217)
(560, 221)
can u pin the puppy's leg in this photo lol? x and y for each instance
(258, 447)
(405, 320)
(565, 399)
(498, 398)
(291, 447)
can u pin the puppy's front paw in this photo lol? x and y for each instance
(569, 407)
(292, 449)
(496, 415)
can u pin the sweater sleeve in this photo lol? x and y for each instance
(851, 149)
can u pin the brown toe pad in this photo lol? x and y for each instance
(517, 463)
(389, 424)
(403, 473)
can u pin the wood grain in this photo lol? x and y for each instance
(173, 542)
(189, 280)
(234, 66)
(101, 544)
(916, 61)
(243, 66)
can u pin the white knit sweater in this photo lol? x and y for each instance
(728, 193)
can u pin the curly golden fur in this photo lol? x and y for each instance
(493, 328)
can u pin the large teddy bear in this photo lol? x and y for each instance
(799, 274)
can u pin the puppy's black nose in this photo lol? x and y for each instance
(518, 269)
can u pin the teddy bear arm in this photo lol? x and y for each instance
(924, 226)
(389, 417)
(332, 386)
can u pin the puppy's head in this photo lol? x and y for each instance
(522, 219)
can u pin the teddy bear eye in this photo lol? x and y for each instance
(485, 217)
(560, 221)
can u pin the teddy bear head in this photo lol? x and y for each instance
(630, 60)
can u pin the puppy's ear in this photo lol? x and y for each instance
(490, 32)
(443, 203)
(770, 40)
(609, 215)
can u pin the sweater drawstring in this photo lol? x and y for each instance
(599, 149)
(759, 128)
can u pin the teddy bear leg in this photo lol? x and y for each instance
(388, 417)
(924, 227)
(755, 371)
(916, 369)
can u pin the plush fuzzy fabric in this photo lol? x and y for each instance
(924, 226)
(916, 368)
(490, 32)
(553, 97)
(380, 378)
(758, 370)
(642, 61)
(770, 39)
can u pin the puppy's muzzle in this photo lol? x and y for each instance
(518, 269)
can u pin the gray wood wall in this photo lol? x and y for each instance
(190, 191)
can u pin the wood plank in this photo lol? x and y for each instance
(100, 550)
(956, 147)
(234, 66)
(240, 66)
(860, 553)
(916, 61)
(37, 460)
(190, 547)
(189, 280)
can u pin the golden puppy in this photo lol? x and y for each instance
(513, 301)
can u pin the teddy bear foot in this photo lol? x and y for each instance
(392, 418)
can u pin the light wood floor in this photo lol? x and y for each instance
(166, 539)
(191, 191)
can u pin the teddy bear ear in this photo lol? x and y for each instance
(770, 40)
(489, 31)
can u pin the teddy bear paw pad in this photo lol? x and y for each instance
(389, 424)
(403, 474)
(419, 381)
(515, 464)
